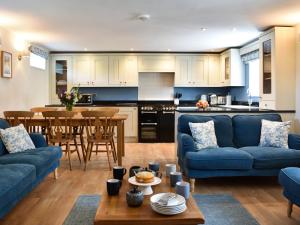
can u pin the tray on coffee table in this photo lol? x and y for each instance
(113, 210)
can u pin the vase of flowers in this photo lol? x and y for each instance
(69, 98)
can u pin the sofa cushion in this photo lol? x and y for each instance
(3, 124)
(273, 158)
(223, 127)
(41, 158)
(219, 159)
(247, 128)
(204, 134)
(14, 179)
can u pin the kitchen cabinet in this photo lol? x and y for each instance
(232, 69)
(90, 71)
(278, 68)
(191, 71)
(131, 124)
(123, 71)
(214, 79)
(156, 63)
(60, 76)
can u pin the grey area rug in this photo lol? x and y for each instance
(218, 209)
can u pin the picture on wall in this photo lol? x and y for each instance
(6, 64)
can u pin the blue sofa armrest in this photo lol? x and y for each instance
(38, 140)
(294, 141)
(185, 144)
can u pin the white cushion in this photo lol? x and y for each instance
(274, 134)
(16, 139)
(204, 134)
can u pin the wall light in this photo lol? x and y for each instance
(21, 47)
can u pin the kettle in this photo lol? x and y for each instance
(213, 99)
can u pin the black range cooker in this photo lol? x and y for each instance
(156, 123)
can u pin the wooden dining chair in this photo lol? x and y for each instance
(60, 131)
(15, 118)
(99, 131)
(39, 110)
(115, 110)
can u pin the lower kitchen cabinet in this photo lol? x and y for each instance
(131, 124)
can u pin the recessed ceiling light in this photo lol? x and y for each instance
(132, 49)
(169, 49)
(203, 29)
(85, 49)
(143, 17)
(234, 29)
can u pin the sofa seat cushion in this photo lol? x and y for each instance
(41, 158)
(14, 179)
(273, 158)
(227, 158)
(222, 123)
(247, 128)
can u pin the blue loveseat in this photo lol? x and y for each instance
(238, 153)
(21, 172)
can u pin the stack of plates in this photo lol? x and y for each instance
(168, 203)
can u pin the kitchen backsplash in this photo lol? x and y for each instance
(131, 94)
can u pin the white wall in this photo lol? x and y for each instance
(29, 86)
(298, 79)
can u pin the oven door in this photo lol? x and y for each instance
(148, 132)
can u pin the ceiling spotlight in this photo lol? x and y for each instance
(132, 49)
(85, 49)
(169, 49)
(234, 29)
(203, 29)
(143, 17)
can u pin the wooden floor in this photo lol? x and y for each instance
(51, 201)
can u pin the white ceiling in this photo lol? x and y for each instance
(111, 25)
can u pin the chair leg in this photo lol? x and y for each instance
(82, 147)
(113, 150)
(192, 182)
(55, 173)
(290, 209)
(91, 149)
(107, 152)
(97, 149)
(76, 147)
(88, 149)
(69, 155)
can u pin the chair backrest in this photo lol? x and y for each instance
(43, 109)
(98, 124)
(15, 118)
(75, 109)
(116, 110)
(59, 125)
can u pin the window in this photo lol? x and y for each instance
(37, 61)
(253, 72)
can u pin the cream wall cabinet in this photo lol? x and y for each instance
(123, 71)
(232, 68)
(156, 63)
(278, 68)
(214, 78)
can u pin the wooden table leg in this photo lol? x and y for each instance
(123, 138)
(119, 143)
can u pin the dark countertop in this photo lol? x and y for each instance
(231, 110)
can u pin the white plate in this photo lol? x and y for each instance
(156, 181)
(178, 200)
(169, 212)
(168, 207)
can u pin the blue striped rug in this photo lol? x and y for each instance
(218, 209)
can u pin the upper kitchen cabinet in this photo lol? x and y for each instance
(123, 71)
(156, 63)
(90, 70)
(232, 69)
(214, 78)
(191, 71)
(61, 76)
(277, 68)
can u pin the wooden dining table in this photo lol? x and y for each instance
(78, 120)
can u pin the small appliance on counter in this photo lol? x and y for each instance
(221, 100)
(228, 99)
(213, 99)
(86, 99)
(204, 98)
(177, 96)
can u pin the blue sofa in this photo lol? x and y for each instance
(21, 172)
(238, 153)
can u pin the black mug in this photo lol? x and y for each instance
(119, 172)
(134, 169)
(113, 186)
(154, 166)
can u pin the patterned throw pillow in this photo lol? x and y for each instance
(16, 139)
(274, 134)
(204, 134)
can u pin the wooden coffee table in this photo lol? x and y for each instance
(113, 210)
